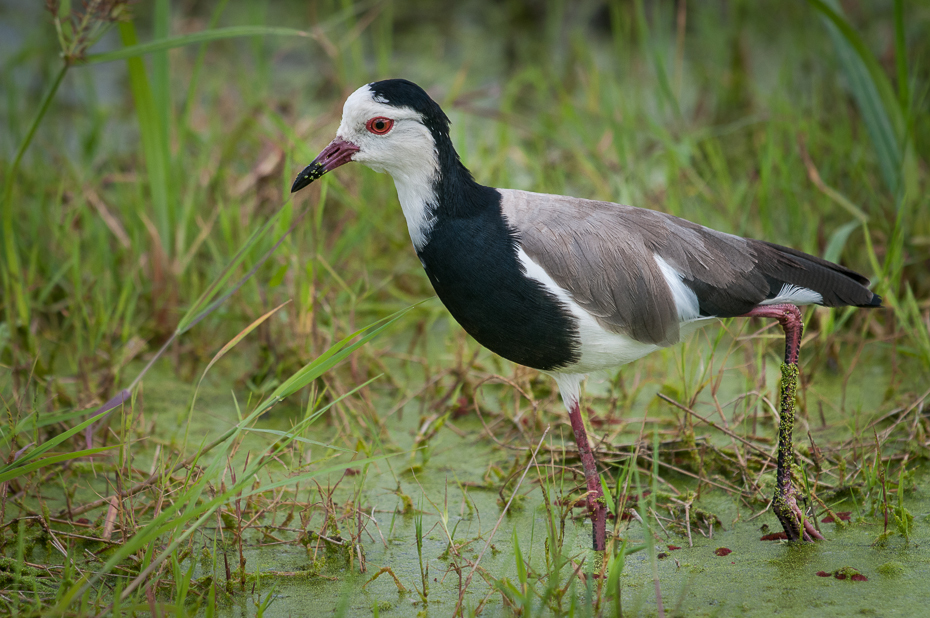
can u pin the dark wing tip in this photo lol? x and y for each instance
(875, 302)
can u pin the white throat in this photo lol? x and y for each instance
(417, 198)
(407, 152)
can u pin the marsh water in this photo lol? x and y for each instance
(458, 474)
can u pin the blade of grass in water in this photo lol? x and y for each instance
(30, 461)
(872, 91)
(153, 143)
(222, 352)
(13, 471)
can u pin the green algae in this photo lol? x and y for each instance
(758, 578)
(892, 569)
(762, 578)
(453, 491)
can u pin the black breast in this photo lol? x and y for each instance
(472, 263)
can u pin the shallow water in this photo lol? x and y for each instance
(758, 578)
(463, 474)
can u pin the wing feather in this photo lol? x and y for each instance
(604, 254)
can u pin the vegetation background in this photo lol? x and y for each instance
(162, 292)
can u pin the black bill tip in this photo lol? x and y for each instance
(308, 175)
(339, 152)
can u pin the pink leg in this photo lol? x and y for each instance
(596, 506)
(785, 504)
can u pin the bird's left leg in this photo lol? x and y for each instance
(796, 525)
(596, 507)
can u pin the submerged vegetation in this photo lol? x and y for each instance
(221, 400)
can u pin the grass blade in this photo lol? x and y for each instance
(50, 444)
(226, 348)
(137, 49)
(11, 472)
(153, 145)
(334, 355)
(872, 91)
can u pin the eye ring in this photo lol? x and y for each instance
(379, 125)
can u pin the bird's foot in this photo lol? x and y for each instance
(797, 525)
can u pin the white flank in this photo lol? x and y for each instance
(795, 295)
(686, 301)
(600, 348)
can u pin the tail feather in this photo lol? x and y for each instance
(837, 285)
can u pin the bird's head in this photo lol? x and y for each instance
(391, 126)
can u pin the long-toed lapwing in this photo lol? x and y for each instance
(569, 286)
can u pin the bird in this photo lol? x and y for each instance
(571, 286)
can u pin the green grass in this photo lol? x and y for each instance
(153, 259)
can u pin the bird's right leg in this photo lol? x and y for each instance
(785, 504)
(595, 499)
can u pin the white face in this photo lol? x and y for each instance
(390, 139)
(394, 140)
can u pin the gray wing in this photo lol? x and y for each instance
(605, 254)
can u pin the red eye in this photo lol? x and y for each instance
(379, 125)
